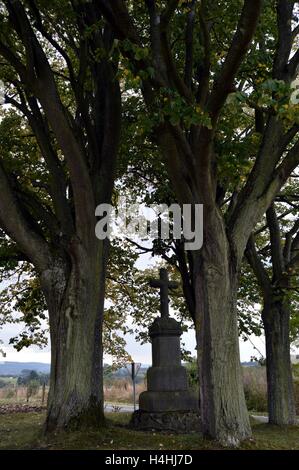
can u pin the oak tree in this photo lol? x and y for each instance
(172, 48)
(58, 66)
(274, 260)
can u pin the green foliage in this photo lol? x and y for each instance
(31, 376)
(32, 388)
(249, 304)
(171, 106)
(255, 388)
(141, 168)
(135, 305)
(3, 383)
(237, 142)
(23, 303)
(256, 400)
(192, 371)
(285, 290)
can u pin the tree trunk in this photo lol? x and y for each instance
(281, 405)
(223, 408)
(75, 298)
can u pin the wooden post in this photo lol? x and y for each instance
(134, 388)
(43, 393)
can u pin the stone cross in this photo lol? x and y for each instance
(164, 284)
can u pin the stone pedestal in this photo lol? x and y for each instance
(167, 404)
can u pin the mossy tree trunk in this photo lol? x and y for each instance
(192, 164)
(223, 408)
(76, 130)
(76, 302)
(281, 403)
(274, 285)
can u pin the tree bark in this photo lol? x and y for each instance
(79, 146)
(276, 318)
(223, 408)
(281, 404)
(75, 298)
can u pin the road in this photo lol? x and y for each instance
(123, 408)
(264, 419)
(119, 407)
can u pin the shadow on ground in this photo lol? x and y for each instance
(24, 431)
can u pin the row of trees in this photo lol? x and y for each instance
(28, 376)
(208, 118)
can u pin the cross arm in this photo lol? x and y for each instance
(155, 283)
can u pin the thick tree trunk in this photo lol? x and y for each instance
(281, 405)
(75, 300)
(223, 408)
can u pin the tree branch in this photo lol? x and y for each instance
(118, 16)
(56, 173)
(189, 49)
(15, 224)
(44, 88)
(12, 59)
(156, 40)
(293, 66)
(276, 243)
(284, 23)
(264, 227)
(203, 70)
(223, 85)
(38, 24)
(295, 246)
(257, 266)
(288, 247)
(263, 184)
(168, 12)
(186, 278)
(295, 33)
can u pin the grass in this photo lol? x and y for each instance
(24, 431)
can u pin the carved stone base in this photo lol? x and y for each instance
(174, 421)
(153, 401)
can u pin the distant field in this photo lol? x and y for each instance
(19, 394)
(117, 390)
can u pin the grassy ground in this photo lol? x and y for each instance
(23, 431)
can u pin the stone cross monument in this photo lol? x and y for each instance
(167, 404)
(164, 284)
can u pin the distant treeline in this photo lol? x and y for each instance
(26, 377)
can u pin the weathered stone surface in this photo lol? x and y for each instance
(175, 421)
(167, 401)
(167, 383)
(166, 351)
(164, 284)
(171, 378)
(165, 326)
(167, 404)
